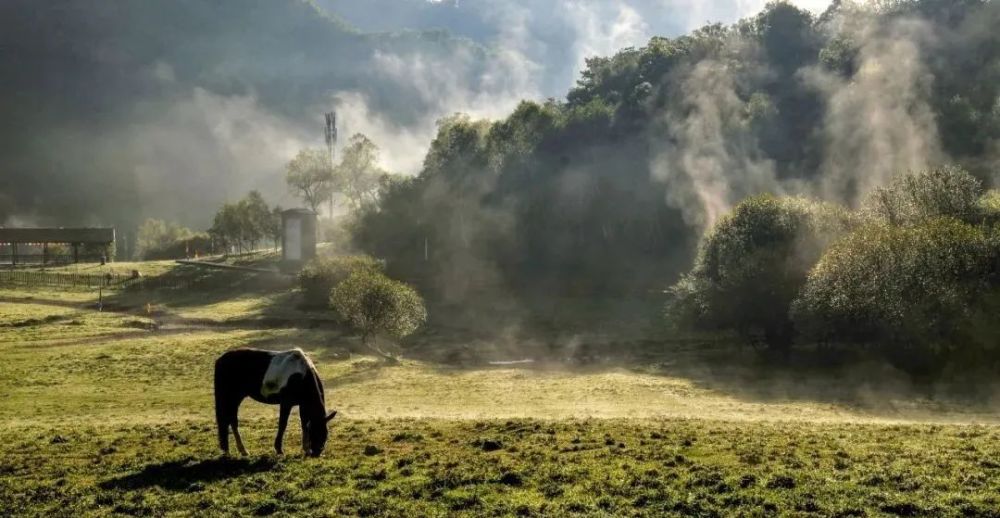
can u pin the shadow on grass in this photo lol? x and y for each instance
(186, 288)
(73, 304)
(180, 475)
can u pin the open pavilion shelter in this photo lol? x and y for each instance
(35, 245)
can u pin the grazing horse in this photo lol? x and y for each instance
(285, 378)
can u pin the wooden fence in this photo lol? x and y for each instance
(35, 260)
(111, 281)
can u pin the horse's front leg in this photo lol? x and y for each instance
(305, 432)
(283, 413)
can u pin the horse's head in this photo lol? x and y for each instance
(316, 433)
(311, 406)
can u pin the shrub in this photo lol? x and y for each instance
(192, 244)
(373, 303)
(911, 198)
(923, 293)
(752, 264)
(321, 274)
(159, 239)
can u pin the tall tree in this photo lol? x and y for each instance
(310, 177)
(256, 215)
(357, 176)
(246, 223)
(274, 229)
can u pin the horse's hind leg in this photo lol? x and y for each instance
(222, 419)
(223, 435)
(226, 416)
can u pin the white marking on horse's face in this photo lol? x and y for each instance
(283, 366)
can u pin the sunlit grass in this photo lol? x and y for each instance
(506, 467)
(146, 268)
(104, 413)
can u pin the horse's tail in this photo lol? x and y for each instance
(221, 417)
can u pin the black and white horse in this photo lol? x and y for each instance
(285, 378)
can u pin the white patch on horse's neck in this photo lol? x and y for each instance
(283, 366)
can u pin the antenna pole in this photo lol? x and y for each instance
(331, 145)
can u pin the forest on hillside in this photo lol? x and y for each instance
(873, 129)
(609, 190)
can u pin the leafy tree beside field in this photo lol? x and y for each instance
(375, 304)
(914, 273)
(313, 177)
(310, 177)
(158, 239)
(753, 264)
(245, 224)
(923, 294)
(363, 297)
(358, 174)
(322, 274)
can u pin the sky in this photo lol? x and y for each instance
(557, 35)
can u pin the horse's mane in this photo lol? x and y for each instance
(304, 356)
(312, 370)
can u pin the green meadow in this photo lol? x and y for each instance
(110, 413)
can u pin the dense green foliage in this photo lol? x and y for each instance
(752, 265)
(358, 174)
(245, 224)
(158, 239)
(608, 191)
(913, 274)
(322, 273)
(536, 203)
(313, 177)
(375, 304)
(913, 198)
(924, 294)
(310, 177)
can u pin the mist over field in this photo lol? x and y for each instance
(112, 106)
(571, 148)
(115, 109)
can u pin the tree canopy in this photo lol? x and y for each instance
(310, 176)
(373, 303)
(609, 191)
(357, 175)
(244, 224)
(752, 265)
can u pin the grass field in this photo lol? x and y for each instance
(110, 412)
